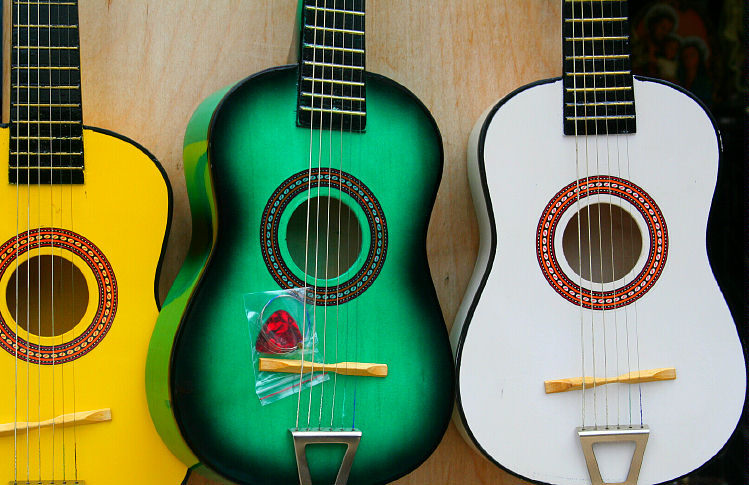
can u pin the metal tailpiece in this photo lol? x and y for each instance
(350, 438)
(607, 434)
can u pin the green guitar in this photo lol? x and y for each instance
(321, 176)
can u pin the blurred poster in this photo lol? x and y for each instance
(697, 44)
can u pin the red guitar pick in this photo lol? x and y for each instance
(280, 334)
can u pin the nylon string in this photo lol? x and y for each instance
(18, 174)
(327, 229)
(577, 202)
(625, 312)
(317, 219)
(600, 232)
(28, 228)
(72, 228)
(634, 303)
(309, 195)
(611, 220)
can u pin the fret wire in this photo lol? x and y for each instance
(337, 81)
(332, 29)
(334, 111)
(332, 96)
(600, 73)
(30, 86)
(579, 39)
(46, 138)
(45, 167)
(599, 118)
(45, 3)
(617, 88)
(47, 153)
(40, 47)
(335, 10)
(342, 49)
(602, 103)
(591, 57)
(47, 105)
(52, 68)
(53, 122)
(601, 19)
(34, 26)
(329, 64)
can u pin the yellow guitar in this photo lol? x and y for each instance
(79, 258)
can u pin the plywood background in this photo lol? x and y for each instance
(146, 64)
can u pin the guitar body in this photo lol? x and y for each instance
(202, 209)
(112, 229)
(515, 329)
(254, 146)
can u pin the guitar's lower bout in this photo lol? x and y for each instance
(78, 265)
(376, 190)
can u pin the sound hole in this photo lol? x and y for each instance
(47, 295)
(334, 241)
(610, 243)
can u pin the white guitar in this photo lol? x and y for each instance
(594, 345)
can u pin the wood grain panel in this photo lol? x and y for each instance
(148, 63)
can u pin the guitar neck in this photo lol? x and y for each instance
(331, 84)
(597, 76)
(46, 127)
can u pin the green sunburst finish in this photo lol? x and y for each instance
(203, 211)
(253, 147)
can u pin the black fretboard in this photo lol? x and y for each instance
(46, 128)
(331, 65)
(598, 95)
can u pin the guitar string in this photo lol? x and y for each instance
(577, 207)
(625, 309)
(39, 204)
(52, 280)
(327, 219)
(315, 278)
(303, 27)
(624, 312)
(59, 249)
(73, 16)
(340, 232)
(17, 27)
(350, 155)
(61, 189)
(340, 199)
(598, 200)
(28, 231)
(610, 204)
(634, 303)
(600, 207)
(346, 105)
(587, 209)
(586, 139)
(39, 268)
(353, 305)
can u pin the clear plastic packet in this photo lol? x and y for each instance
(280, 327)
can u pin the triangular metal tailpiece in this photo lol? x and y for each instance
(607, 434)
(350, 438)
